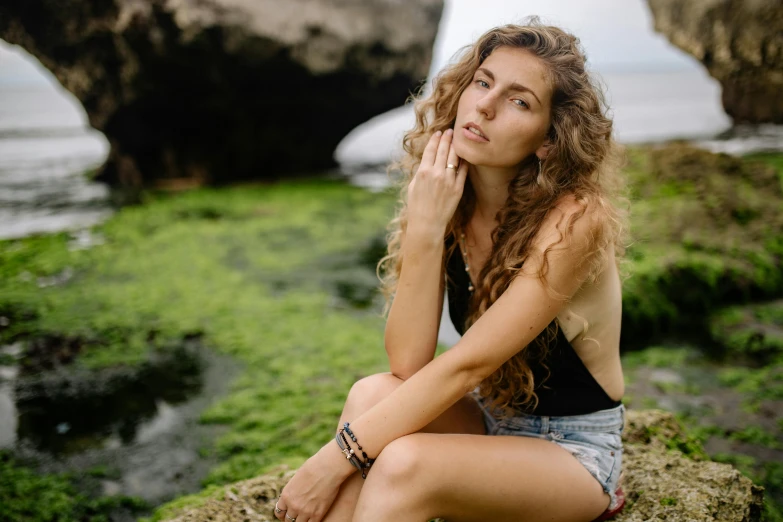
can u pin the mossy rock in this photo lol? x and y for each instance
(752, 332)
(660, 482)
(705, 234)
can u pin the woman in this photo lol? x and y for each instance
(513, 208)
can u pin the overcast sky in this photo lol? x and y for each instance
(617, 34)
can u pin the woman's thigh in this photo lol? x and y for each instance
(474, 478)
(465, 416)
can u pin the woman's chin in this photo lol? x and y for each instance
(465, 153)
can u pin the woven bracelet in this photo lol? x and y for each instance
(349, 453)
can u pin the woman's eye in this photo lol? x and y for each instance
(482, 81)
(523, 103)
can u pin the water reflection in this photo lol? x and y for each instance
(139, 423)
(66, 411)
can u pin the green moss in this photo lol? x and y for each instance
(25, 495)
(756, 435)
(749, 332)
(256, 271)
(688, 442)
(703, 432)
(649, 403)
(705, 233)
(170, 509)
(659, 357)
(104, 471)
(668, 501)
(757, 384)
(677, 387)
(688, 445)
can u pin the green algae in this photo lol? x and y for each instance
(705, 234)
(753, 333)
(29, 496)
(659, 357)
(254, 271)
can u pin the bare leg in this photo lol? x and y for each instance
(470, 478)
(464, 417)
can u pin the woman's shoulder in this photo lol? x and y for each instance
(579, 215)
(570, 203)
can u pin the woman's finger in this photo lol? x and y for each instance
(281, 506)
(428, 157)
(443, 148)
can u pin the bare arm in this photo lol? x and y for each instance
(411, 334)
(508, 325)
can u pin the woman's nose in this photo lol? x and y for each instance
(486, 106)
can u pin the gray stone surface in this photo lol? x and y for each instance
(740, 42)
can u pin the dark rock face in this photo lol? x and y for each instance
(211, 91)
(741, 44)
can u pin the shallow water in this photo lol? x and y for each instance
(129, 431)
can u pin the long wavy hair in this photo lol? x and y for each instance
(584, 161)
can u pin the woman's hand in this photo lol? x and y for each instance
(310, 493)
(435, 191)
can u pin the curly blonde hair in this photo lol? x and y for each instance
(584, 161)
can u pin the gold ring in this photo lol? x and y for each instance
(450, 166)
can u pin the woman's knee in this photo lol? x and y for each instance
(369, 391)
(400, 459)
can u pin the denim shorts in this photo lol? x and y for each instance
(595, 439)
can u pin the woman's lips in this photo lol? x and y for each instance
(473, 137)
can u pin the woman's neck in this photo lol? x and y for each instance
(490, 186)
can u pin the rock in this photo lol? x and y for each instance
(739, 42)
(705, 233)
(250, 500)
(192, 92)
(660, 482)
(753, 332)
(667, 476)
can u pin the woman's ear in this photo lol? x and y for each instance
(544, 149)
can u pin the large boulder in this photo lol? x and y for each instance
(740, 43)
(666, 476)
(209, 91)
(705, 231)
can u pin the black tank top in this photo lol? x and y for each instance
(570, 388)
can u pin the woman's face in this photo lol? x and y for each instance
(509, 99)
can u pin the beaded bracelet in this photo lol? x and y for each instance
(368, 462)
(354, 457)
(355, 460)
(349, 453)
